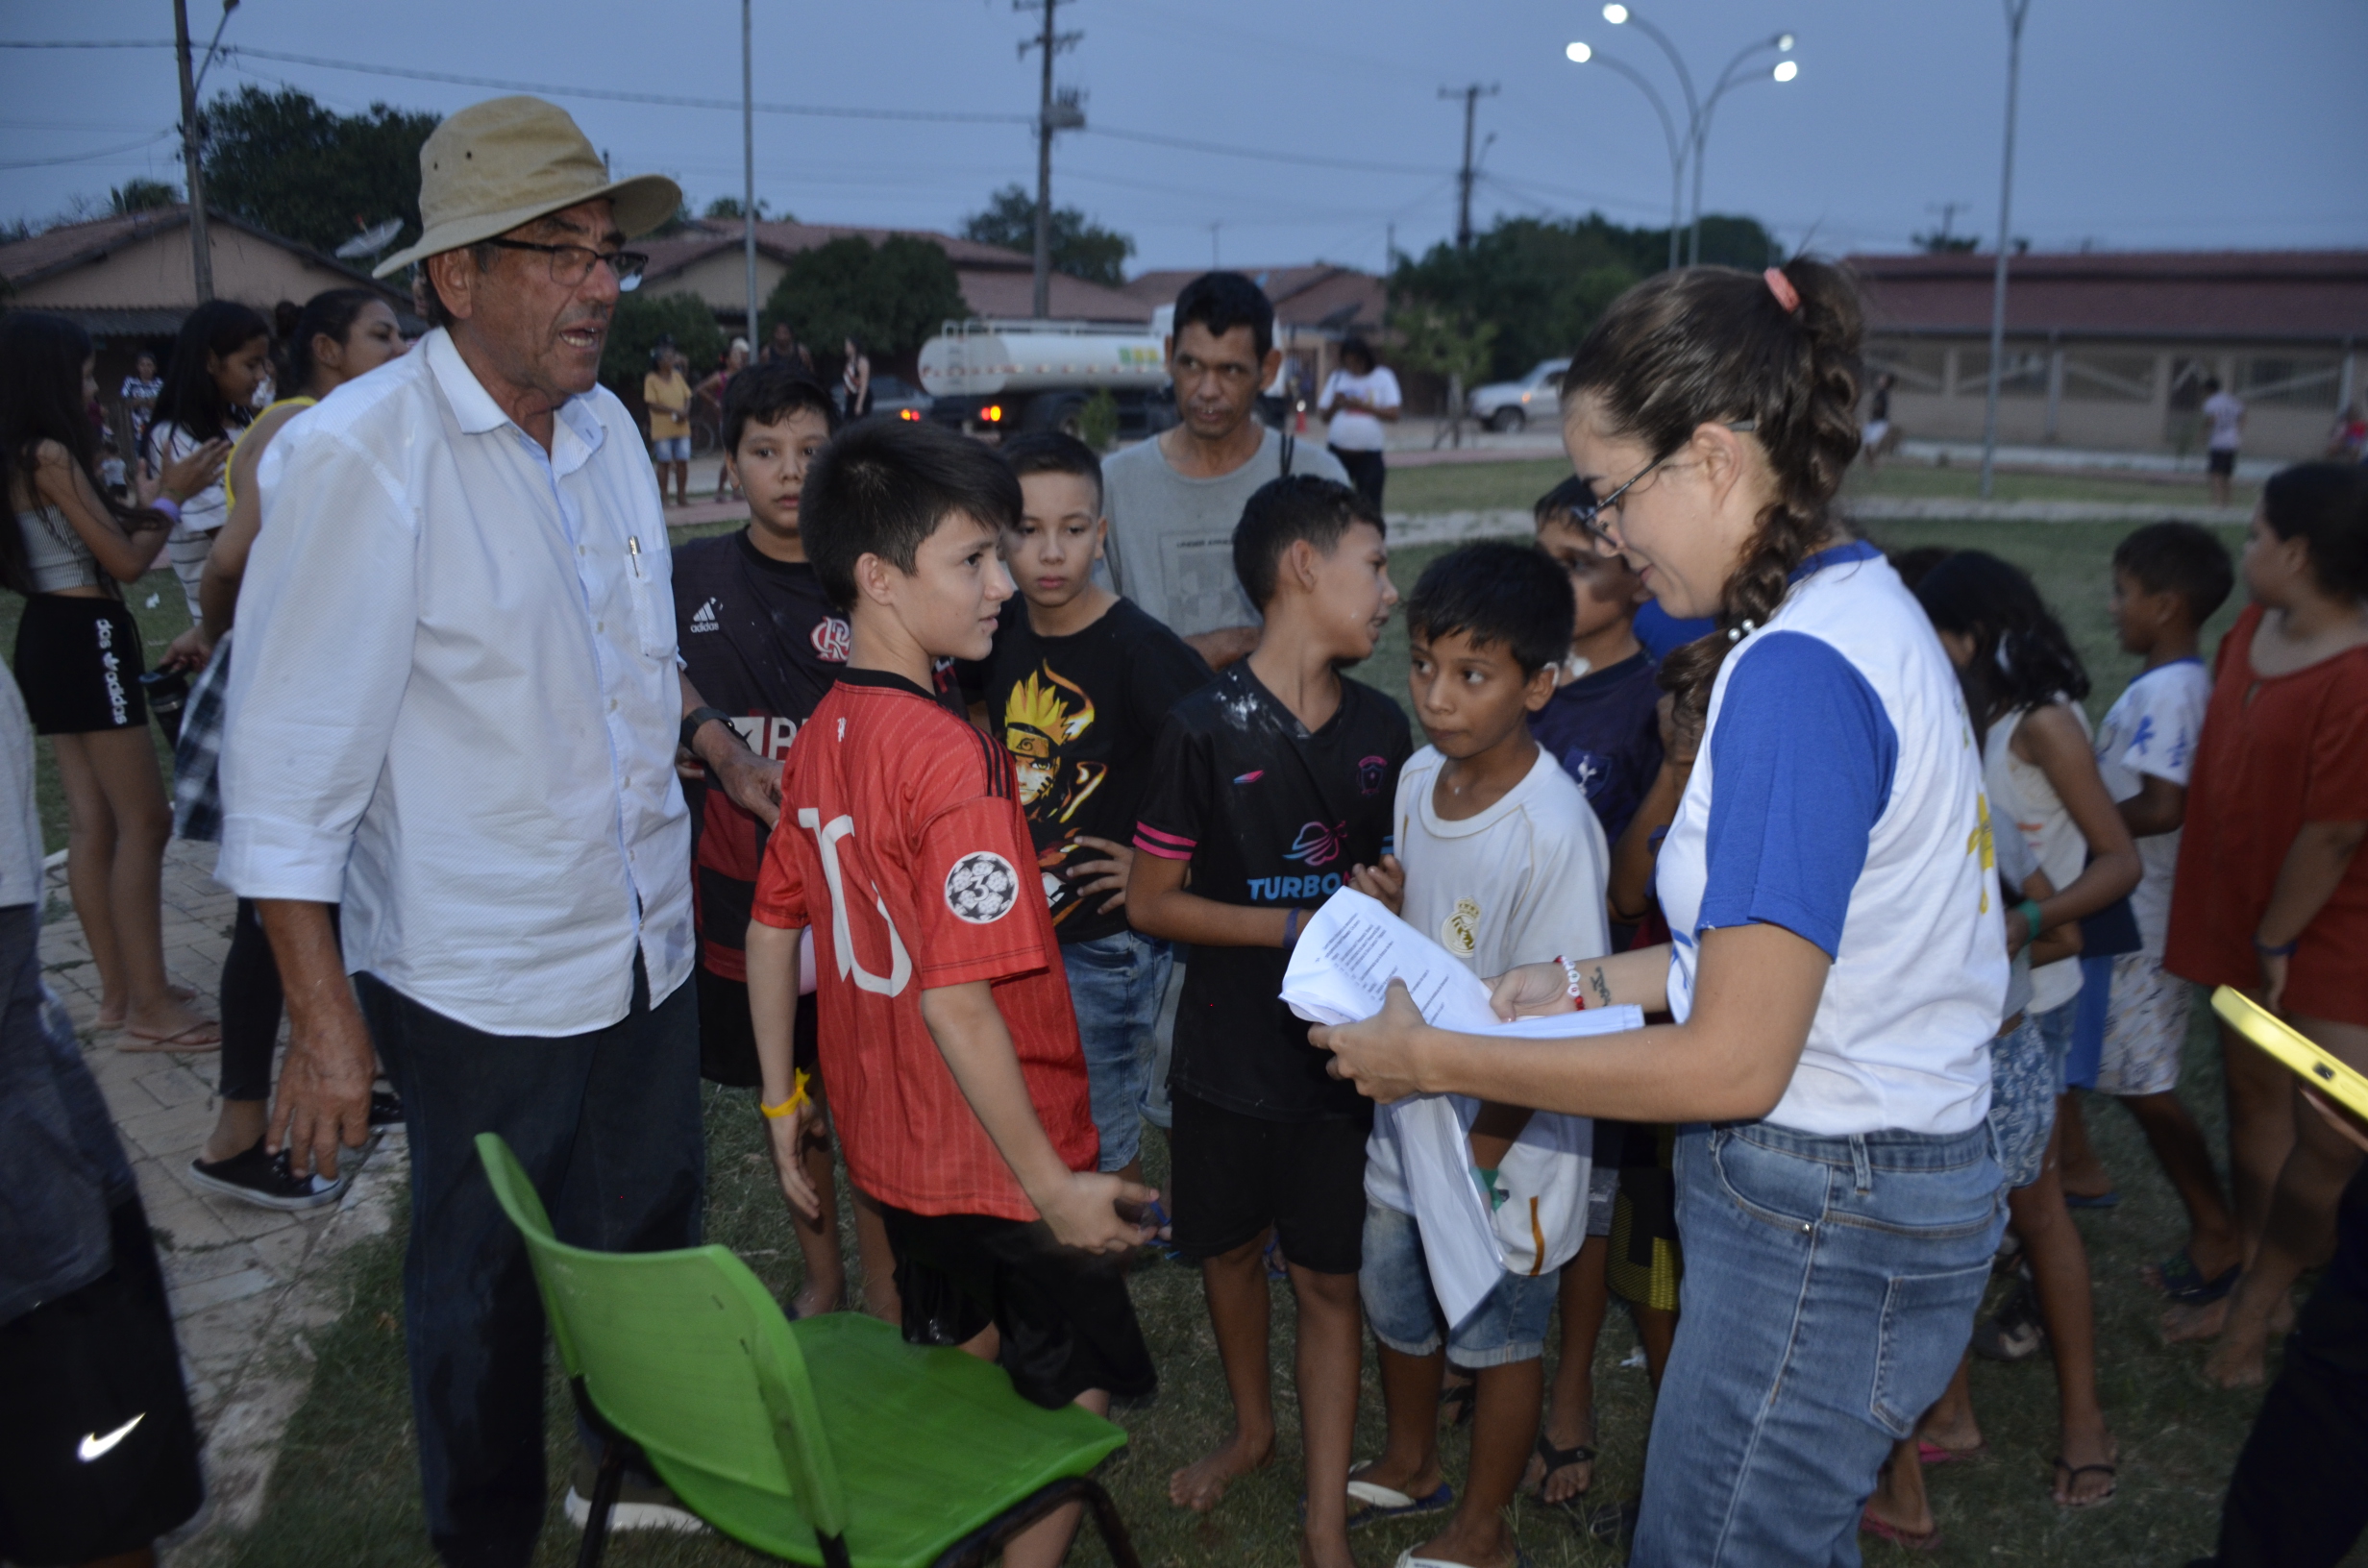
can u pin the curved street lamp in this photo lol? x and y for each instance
(1579, 54)
(1699, 107)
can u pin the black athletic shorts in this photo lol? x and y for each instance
(98, 1456)
(79, 662)
(1066, 1320)
(1235, 1176)
(2219, 461)
(728, 1037)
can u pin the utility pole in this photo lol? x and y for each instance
(192, 137)
(1948, 211)
(1471, 97)
(2017, 10)
(748, 164)
(1053, 112)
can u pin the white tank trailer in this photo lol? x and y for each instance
(1037, 375)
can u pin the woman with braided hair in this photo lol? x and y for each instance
(1837, 961)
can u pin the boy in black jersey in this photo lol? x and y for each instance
(1077, 690)
(761, 642)
(1271, 786)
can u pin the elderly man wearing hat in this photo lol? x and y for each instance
(455, 713)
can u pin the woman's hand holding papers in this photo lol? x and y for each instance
(1379, 1054)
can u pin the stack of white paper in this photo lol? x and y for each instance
(1339, 972)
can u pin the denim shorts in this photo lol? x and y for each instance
(1830, 1287)
(671, 449)
(2026, 1074)
(1114, 984)
(1395, 1282)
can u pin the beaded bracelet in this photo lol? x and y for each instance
(1572, 986)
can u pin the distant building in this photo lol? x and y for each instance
(129, 281)
(2110, 350)
(707, 260)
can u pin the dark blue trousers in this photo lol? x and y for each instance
(608, 1127)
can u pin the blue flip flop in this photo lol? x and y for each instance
(2093, 1200)
(1380, 1503)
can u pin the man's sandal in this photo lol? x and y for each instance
(2072, 1473)
(1375, 1502)
(2178, 1278)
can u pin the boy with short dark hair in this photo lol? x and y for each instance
(1272, 785)
(1076, 689)
(1600, 722)
(1501, 862)
(762, 643)
(959, 1088)
(2168, 579)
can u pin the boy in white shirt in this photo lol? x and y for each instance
(1500, 860)
(2168, 579)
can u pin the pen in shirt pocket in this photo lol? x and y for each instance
(633, 549)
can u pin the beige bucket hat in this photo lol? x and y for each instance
(506, 161)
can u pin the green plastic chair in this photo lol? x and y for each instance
(824, 1441)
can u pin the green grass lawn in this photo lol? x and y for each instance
(347, 1489)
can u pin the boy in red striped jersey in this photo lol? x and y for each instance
(956, 1078)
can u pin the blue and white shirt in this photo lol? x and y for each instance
(1838, 794)
(2152, 728)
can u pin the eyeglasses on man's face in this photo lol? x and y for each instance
(572, 264)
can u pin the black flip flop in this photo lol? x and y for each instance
(2074, 1472)
(1562, 1458)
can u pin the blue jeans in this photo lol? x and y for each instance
(1394, 1282)
(608, 1127)
(1114, 984)
(1830, 1287)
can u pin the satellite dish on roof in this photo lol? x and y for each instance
(370, 241)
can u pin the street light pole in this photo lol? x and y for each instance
(748, 162)
(1579, 54)
(2017, 10)
(193, 177)
(1781, 43)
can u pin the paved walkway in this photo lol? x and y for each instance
(248, 1285)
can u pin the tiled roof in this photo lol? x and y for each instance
(71, 245)
(2195, 294)
(1304, 296)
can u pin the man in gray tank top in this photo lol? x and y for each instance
(1174, 500)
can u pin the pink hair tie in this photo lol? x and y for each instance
(1781, 287)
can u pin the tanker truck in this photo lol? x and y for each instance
(1037, 375)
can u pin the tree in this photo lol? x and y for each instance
(1081, 247)
(893, 297)
(1945, 244)
(729, 207)
(139, 194)
(640, 321)
(1541, 284)
(285, 163)
(1447, 343)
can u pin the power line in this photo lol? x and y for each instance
(1262, 154)
(87, 157)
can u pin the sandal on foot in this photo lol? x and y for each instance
(1376, 1502)
(2107, 1199)
(2179, 1279)
(2073, 1473)
(1563, 1458)
(1929, 1453)
(1408, 1559)
(1929, 1541)
(139, 1041)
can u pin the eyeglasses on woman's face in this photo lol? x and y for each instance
(1588, 516)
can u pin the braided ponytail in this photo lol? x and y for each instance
(1716, 345)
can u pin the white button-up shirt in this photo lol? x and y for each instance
(454, 702)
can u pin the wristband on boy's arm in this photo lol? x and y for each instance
(1294, 920)
(2281, 949)
(2028, 910)
(788, 1106)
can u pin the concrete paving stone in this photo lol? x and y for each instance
(186, 1267)
(202, 1294)
(164, 1131)
(285, 1251)
(223, 1337)
(179, 1087)
(248, 1222)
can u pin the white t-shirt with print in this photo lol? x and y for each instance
(2225, 413)
(2152, 729)
(1520, 883)
(1354, 431)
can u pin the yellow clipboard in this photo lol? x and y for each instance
(2328, 1074)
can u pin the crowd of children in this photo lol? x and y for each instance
(1160, 807)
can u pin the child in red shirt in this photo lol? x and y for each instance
(956, 1079)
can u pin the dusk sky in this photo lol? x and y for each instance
(2146, 124)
